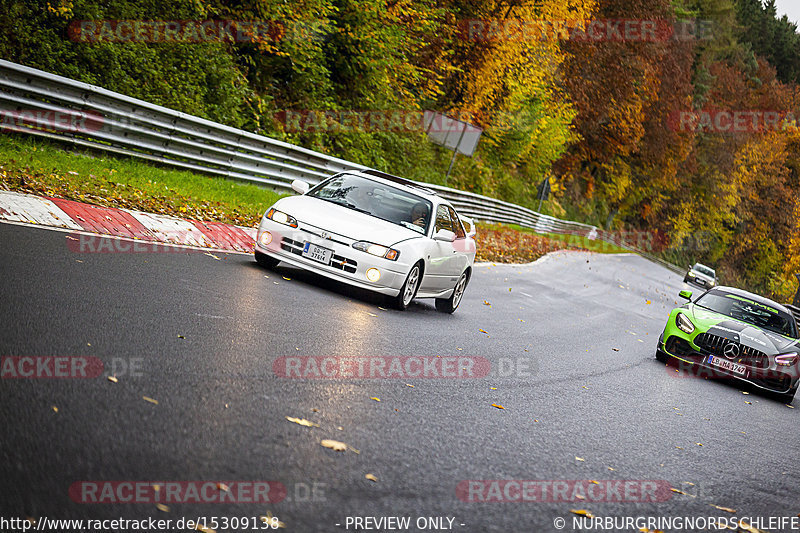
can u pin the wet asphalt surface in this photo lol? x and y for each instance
(569, 343)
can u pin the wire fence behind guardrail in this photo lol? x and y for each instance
(39, 103)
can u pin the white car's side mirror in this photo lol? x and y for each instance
(300, 186)
(472, 230)
(444, 235)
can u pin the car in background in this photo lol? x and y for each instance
(374, 231)
(701, 275)
(735, 334)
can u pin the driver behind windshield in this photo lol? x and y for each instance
(419, 214)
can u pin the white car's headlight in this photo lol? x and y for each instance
(683, 323)
(281, 218)
(377, 250)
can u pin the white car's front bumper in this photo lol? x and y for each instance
(347, 264)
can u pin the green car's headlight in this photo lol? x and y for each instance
(786, 359)
(683, 323)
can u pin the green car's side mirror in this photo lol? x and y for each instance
(686, 294)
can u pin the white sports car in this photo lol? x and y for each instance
(375, 231)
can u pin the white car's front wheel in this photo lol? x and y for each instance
(449, 305)
(409, 289)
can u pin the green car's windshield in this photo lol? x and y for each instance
(757, 314)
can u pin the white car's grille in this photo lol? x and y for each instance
(337, 261)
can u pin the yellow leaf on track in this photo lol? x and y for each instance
(209, 254)
(580, 459)
(498, 406)
(376, 399)
(199, 527)
(148, 399)
(337, 446)
(726, 509)
(302, 421)
(581, 512)
(162, 507)
(371, 477)
(112, 379)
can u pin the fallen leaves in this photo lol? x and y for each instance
(209, 254)
(582, 512)
(113, 379)
(337, 446)
(371, 477)
(726, 509)
(302, 422)
(498, 406)
(376, 399)
(149, 399)
(580, 459)
(161, 507)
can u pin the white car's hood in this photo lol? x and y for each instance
(344, 221)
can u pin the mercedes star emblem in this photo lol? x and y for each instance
(731, 350)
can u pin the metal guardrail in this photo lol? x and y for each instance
(39, 103)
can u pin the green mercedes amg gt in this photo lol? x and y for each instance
(731, 333)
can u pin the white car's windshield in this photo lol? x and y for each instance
(757, 314)
(376, 199)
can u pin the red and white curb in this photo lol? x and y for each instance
(124, 223)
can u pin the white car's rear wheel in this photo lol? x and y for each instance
(409, 289)
(449, 305)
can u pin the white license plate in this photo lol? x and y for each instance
(317, 253)
(730, 366)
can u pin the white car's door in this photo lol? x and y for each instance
(444, 264)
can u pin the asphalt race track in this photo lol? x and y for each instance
(570, 341)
